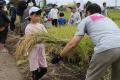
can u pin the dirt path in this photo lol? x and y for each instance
(8, 69)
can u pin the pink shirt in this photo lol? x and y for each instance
(32, 28)
(37, 56)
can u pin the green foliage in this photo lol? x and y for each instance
(65, 32)
(114, 15)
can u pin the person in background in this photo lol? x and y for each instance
(47, 17)
(34, 2)
(61, 21)
(36, 57)
(5, 6)
(13, 13)
(54, 15)
(105, 34)
(74, 17)
(104, 9)
(80, 10)
(4, 23)
(85, 6)
(21, 6)
(25, 20)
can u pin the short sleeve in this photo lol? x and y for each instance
(81, 28)
(27, 30)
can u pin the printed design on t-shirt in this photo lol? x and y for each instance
(96, 17)
(72, 19)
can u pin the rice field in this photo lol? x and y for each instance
(114, 15)
(85, 48)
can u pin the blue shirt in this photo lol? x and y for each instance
(62, 21)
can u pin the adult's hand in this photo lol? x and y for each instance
(56, 59)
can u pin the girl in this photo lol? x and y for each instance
(37, 59)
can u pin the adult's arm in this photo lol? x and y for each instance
(71, 45)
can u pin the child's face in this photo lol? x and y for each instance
(35, 18)
(78, 5)
(104, 5)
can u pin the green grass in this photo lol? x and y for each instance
(115, 15)
(65, 32)
(67, 14)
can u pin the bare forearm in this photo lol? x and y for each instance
(66, 50)
(71, 45)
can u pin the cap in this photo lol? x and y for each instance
(33, 9)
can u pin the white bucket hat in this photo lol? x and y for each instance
(33, 9)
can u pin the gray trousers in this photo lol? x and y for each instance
(101, 61)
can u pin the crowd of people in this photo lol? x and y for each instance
(91, 20)
(53, 15)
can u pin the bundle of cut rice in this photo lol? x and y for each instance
(28, 42)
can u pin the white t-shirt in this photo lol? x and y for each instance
(33, 28)
(79, 9)
(75, 18)
(104, 33)
(54, 13)
(104, 10)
